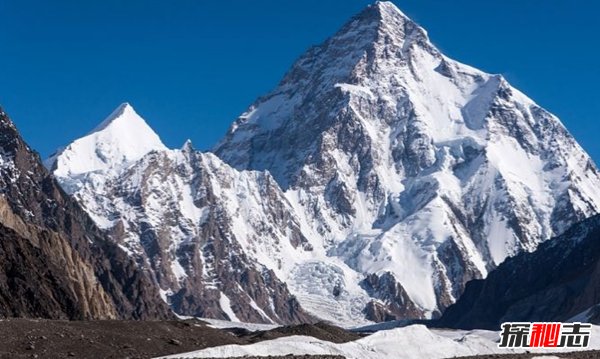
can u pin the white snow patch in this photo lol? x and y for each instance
(225, 304)
(226, 324)
(178, 270)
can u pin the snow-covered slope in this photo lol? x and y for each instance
(121, 139)
(209, 234)
(411, 342)
(411, 172)
(226, 324)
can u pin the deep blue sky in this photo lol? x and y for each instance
(190, 67)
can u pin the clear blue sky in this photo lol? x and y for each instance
(190, 67)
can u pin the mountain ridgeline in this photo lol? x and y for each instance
(373, 183)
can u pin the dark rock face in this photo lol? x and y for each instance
(55, 263)
(392, 300)
(557, 282)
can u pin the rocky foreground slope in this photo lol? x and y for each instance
(111, 339)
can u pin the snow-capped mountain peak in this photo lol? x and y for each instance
(121, 139)
(123, 111)
(416, 171)
(388, 16)
(385, 17)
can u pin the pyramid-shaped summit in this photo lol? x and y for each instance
(379, 44)
(382, 17)
(121, 139)
(124, 112)
(413, 172)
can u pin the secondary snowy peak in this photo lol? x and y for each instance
(124, 110)
(121, 139)
(409, 165)
(200, 227)
(188, 146)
